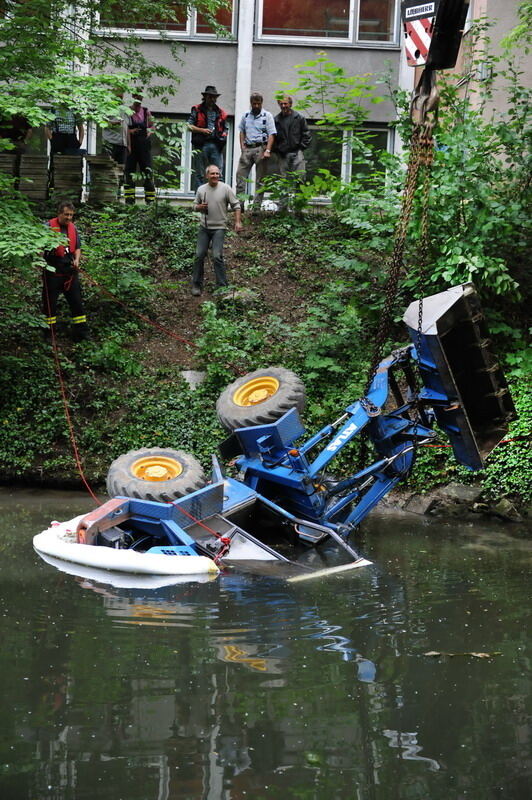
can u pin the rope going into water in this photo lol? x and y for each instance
(149, 321)
(66, 408)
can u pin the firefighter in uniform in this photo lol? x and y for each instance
(62, 275)
(139, 129)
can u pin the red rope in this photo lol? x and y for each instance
(503, 441)
(68, 416)
(136, 313)
(72, 435)
(70, 426)
(225, 540)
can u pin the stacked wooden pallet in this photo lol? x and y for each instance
(104, 179)
(33, 173)
(8, 163)
(67, 177)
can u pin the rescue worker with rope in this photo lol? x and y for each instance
(61, 275)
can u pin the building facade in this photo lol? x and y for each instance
(261, 44)
(265, 41)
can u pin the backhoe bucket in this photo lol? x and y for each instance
(463, 381)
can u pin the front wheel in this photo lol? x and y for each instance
(260, 397)
(155, 474)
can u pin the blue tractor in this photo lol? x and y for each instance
(448, 376)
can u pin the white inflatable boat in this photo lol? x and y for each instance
(60, 541)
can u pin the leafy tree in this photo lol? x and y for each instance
(480, 189)
(520, 35)
(481, 180)
(341, 102)
(340, 99)
(53, 54)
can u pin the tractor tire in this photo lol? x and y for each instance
(260, 397)
(155, 474)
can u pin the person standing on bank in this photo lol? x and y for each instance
(114, 136)
(293, 136)
(65, 133)
(213, 199)
(257, 133)
(208, 124)
(62, 275)
(140, 127)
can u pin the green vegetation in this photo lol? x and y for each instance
(317, 284)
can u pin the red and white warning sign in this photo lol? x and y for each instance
(418, 22)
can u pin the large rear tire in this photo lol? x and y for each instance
(153, 473)
(260, 397)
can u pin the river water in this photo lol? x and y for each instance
(250, 687)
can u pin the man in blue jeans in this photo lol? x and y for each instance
(213, 201)
(208, 125)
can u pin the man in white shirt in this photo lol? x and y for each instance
(257, 134)
(213, 200)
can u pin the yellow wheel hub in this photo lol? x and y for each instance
(156, 468)
(256, 391)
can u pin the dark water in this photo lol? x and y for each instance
(248, 687)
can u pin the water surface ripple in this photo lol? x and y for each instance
(247, 686)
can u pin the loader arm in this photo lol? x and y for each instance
(357, 416)
(277, 469)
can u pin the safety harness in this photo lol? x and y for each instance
(72, 237)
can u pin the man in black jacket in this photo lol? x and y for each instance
(293, 136)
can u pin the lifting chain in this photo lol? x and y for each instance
(424, 115)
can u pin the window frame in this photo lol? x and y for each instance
(189, 33)
(352, 40)
(346, 165)
(395, 31)
(186, 189)
(269, 37)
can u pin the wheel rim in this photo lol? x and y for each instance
(256, 391)
(156, 468)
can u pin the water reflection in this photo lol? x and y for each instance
(410, 749)
(247, 686)
(130, 600)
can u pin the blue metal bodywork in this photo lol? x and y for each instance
(287, 474)
(461, 387)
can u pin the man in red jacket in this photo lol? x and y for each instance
(61, 275)
(208, 124)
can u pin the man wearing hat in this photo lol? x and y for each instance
(208, 123)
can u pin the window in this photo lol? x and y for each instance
(167, 151)
(336, 154)
(372, 21)
(378, 139)
(224, 17)
(376, 21)
(114, 17)
(314, 18)
(323, 153)
(195, 24)
(172, 154)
